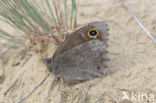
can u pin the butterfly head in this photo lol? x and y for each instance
(48, 63)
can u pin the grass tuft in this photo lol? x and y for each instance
(39, 19)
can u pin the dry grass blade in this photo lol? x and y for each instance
(8, 37)
(86, 94)
(36, 87)
(139, 22)
(6, 92)
(49, 90)
(2, 66)
(105, 94)
(135, 18)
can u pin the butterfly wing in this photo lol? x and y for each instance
(83, 55)
(83, 62)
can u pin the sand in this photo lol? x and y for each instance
(132, 68)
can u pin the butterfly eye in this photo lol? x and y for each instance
(93, 33)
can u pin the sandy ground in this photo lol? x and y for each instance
(132, 68)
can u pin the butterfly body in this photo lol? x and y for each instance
(83, 55)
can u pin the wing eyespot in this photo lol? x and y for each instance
(93, 33)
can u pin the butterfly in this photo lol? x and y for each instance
(83, 55)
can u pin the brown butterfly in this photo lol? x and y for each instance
(83, 55)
